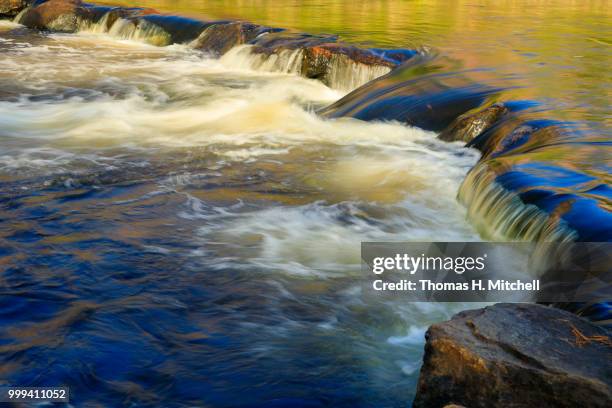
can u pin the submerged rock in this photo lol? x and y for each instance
(516, 355)
(472, 124)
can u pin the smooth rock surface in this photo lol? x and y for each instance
(516, 355)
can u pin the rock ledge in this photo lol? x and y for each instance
(516, 355)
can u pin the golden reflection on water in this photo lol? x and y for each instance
(557, 49)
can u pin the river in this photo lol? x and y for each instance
(177, 229)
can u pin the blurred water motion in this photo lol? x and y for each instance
(182, 230)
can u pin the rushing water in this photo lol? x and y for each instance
(177, 229)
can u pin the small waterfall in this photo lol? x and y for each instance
(128, 29)
(141, 31)
(336, 69)
(285, 61)
(501, 215)
(343, 73)
(346, 74)
(97, 27)
(19, 16)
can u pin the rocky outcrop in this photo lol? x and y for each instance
(516, 355)
(472, 124)
(10, 8)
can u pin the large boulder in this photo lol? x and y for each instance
(516, 355)
(55, 15)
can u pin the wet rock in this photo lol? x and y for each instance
(220, 37)
(516, 355)
(318, 59)
(323, 58)
(55, 15)
(10, 8)
(470, 125)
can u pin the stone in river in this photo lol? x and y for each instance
(516, 355)
(468, 126)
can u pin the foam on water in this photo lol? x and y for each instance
(176, 183)
(176, 97)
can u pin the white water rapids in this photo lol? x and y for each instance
(153, 145)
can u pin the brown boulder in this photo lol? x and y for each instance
(516, 355)
(56, 15)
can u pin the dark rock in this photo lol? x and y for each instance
(178, 29)
(472, 124)
(516, 355)
(220, 37)
(10, 8)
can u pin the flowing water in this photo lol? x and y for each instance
(177, 229)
